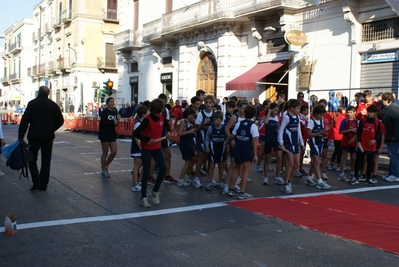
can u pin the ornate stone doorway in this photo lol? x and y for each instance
(207, 75)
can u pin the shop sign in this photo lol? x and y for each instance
(166, 77)
(295, 37)
(380, 57)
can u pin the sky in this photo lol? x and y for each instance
(15, 11)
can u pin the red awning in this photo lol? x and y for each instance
(247, 81)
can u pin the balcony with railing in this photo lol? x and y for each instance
(5, 80)
(128, 40)
(107, 64)
(66, 16)
(34, 71)
(209, 11)
(15, 48)
(15, 78)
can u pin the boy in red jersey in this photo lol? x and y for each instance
(348, 128)
(336, 155)
(328, 122)
(368, 135)
(149, 132)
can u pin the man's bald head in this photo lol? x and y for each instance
(43, 90)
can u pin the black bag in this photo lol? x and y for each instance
(20, 158)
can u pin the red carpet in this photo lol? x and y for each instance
(371, 223)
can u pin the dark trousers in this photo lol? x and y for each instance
(359, 163)
(46, 148)
(159, 158)
(337, 152)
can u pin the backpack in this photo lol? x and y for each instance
(20, 158)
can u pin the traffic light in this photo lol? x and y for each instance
(107, 88)
(95, 95)
(110, 84)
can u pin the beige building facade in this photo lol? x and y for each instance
(179, 47)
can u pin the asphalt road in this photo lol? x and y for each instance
(85, 220)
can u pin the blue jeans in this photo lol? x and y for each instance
(159, 158)
(393, 148)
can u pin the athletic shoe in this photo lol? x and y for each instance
(258, 168)
(330, 167)
(151, 180)
(309, 181)
(342, 177)
(209, 186)
(265, 180)
(197, 183)
(373, 179)
(136, 188)
(187, 178)
(286, 189)
(155, 197)
(352, 174)
(225, 190)
(237, 189)
(144, 203)
(183, 183)
(244, 195)
(392, 178)
(231, 193)
(323, 185)
(324, 176)
(271, 169)
(289, 184)
(338, 169)
(278, 180)
(238, 181)
(353, 181)
(303, 173)
(362, 178)
(104, 174)
(170, 179)
(298, 174)
(370, 183)
(214, 183)
(2, 174)
(249, 180)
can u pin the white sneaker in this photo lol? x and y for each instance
(392, 178)
(136, 188)
(244, 195)
(187, 178)
(197, 183)
(238, 181)
(324, 176)
(342, 177)
(309, 181)
(289, 184)
(258, 168)
(298, 174)
(183, 183)
(237, 189)
(323, 185)
(144, 203)
(2, 174)
(249, 180)
(338, 169)
(330, 167)
(286, 189)
(265, 180)
(225, 190)
(278, 180)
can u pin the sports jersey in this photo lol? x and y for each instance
(107, 125)
(272, 129)
(244, 132)
(328, 122)
(134, 148)
(348, 124)
(186, 141)
(215, 139)
(369, 130)
(289, 133)
(200, 135)
(316, 126)
(153, 130)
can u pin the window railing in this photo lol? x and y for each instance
(380, 30)
(111, 14)
(128, 38)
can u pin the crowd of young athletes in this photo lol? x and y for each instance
(210, 137)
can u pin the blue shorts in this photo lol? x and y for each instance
(165, 143)
(136, 155)
(239, 161)
(217, 158)
(325, 143)
(107, 140)
(271, 144)
(187, 154)
(294, 149)
(316, 149)
(349, 149)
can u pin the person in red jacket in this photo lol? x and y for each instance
(337, 136)
(149, 132)
(361, 109)
(177, 113)
(368, 136)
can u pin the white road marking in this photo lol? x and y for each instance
(181, 209)
(92, 173)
